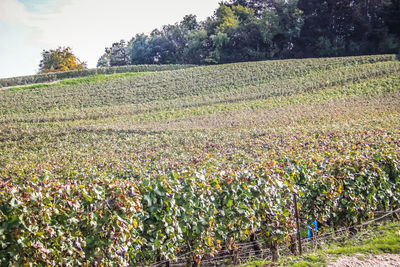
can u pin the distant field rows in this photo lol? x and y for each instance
(48, 104)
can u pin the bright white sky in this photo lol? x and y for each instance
(87, 26)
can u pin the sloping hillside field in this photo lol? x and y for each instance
(140, 169)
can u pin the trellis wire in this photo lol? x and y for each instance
(244, 255)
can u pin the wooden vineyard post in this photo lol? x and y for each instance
(296, 213)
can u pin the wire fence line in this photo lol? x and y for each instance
(246, 251)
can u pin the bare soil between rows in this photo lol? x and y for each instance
(386, 260)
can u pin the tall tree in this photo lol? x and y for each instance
(167, 45)
(60, 59)
(103, 61)
(189, 23)
(197, 48)
(283, 23)
(392, 16)
(225, 22)
(347, 27)
(141, 50)
(249, 36)
(245, 30)
(257, 5)
(118, 54)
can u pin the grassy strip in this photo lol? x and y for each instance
(380, 240)
(77, 81)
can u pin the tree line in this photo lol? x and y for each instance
(248, 30)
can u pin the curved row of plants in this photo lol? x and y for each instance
(55, 76)
(170, 90)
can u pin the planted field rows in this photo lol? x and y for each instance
(140, 169)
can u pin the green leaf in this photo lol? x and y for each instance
(147, 198)
(88, 198)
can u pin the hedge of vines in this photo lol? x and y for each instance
(49, 77)
(49, 222)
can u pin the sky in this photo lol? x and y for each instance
(87, 26)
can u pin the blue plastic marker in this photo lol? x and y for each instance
(314, 225)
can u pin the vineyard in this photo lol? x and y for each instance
(194, 161)
(55, 76)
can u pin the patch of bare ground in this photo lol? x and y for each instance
(387, 260)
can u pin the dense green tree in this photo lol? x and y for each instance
(246, 30)
(237, 33)
(165, 46)
(197, 49)
(103, 61)
(118, 54)
(247, 39)
(392, 16)
(189, 23)
(283, 21)
(348, 27)
(257, 5)
(141, 50)
(225, 22)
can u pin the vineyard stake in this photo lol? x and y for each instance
(296, 213)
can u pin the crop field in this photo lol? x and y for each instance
(57, 76)
(144, 168)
